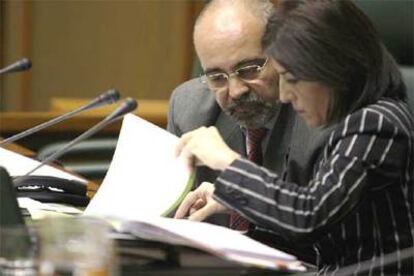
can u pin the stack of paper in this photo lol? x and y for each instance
(39, 210)
(217, 240)
(146, 181)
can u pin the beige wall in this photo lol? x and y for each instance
(81, 48)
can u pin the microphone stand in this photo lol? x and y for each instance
(128, 106)
(111, 95)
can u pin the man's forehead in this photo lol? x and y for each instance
(226, 54)
(228, 36)
(229, 51)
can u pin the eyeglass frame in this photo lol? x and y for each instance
(205, 79)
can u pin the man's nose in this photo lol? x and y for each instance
(237, 88)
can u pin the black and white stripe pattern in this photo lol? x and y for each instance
(359, 205)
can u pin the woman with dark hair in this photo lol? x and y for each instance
(358, 207)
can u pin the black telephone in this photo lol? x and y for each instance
(53, 189)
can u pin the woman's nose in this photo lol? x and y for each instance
(285, 94)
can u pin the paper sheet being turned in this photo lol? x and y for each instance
(145, 178)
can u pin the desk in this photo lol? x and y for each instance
(92, 187)
(19, 149)
(11, 123)
(154, 111)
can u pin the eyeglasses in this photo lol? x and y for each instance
(246, 73)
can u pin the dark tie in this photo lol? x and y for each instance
(254, 154)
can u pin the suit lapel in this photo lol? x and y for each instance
(278, 146)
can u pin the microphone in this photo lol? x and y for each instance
(105, 98)
(18, 66)
(126, 106)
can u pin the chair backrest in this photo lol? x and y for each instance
(394, 21)
(91, 158)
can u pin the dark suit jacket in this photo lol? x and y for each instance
(292, 148)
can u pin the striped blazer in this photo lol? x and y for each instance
(358, 206)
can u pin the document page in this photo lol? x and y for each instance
(18, 165)
(144, 178)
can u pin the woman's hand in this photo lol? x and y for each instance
(199, 204)
(205, 146)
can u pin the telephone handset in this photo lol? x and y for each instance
(53, 189)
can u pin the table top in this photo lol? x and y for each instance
(92, 187)
(154, 111)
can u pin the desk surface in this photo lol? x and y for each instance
(92, 186)
(154, 111)
(19, 149)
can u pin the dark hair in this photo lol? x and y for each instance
(333, 42)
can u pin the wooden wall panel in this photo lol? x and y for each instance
(12, 26)
(81, 48)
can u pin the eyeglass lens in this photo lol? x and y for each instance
(247, 73)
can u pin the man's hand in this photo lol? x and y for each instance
(205, 146)
(199, 204)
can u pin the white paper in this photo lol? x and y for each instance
(34, 205)
(144, 178)
(39, 210)
(215, 239)
(18, 165)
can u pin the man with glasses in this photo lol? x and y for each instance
(238, 89)
(239, 92)
(236, 94)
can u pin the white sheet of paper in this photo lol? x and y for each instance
(144, 178)
(217, 239)
(35, 205)
(18, 165)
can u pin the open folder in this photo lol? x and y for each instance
(146, 182)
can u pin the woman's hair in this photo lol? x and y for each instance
(333, 42)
